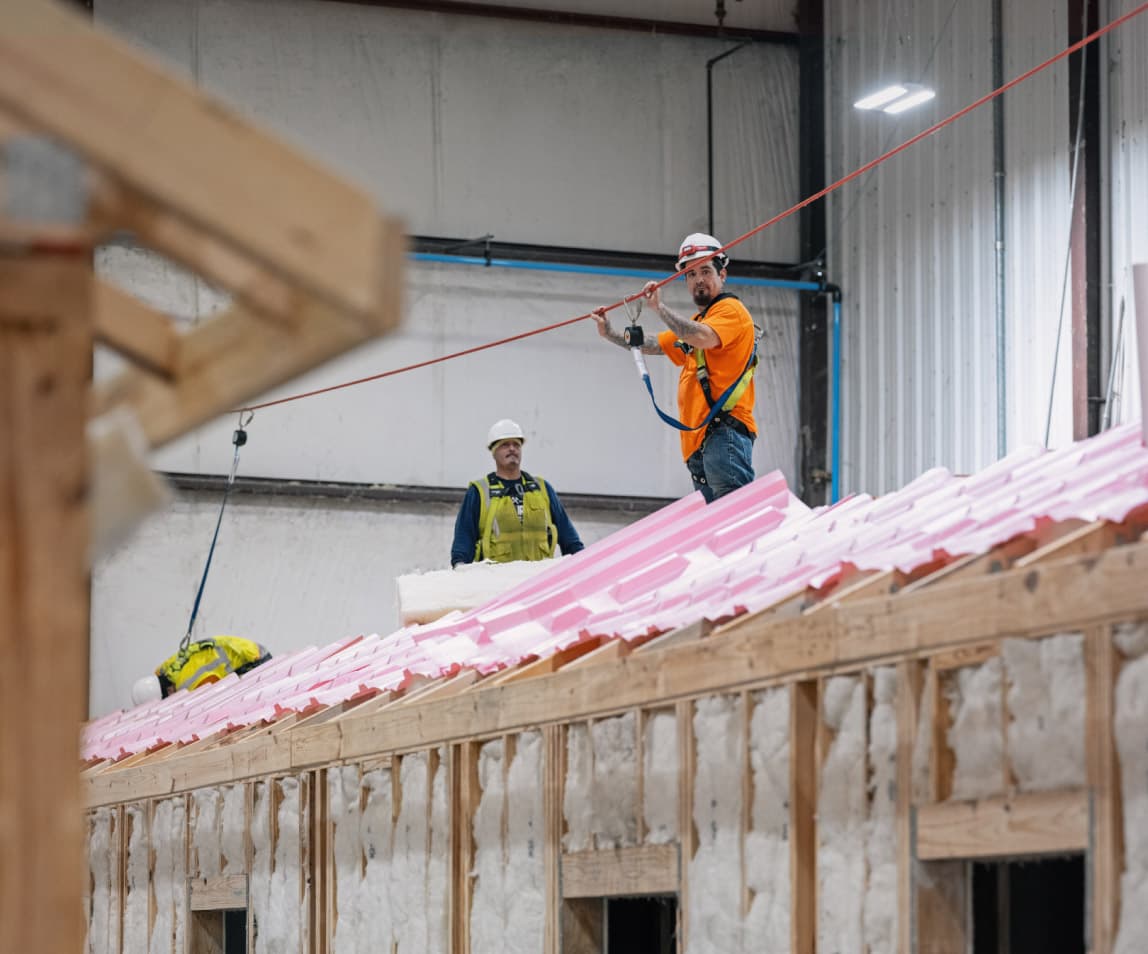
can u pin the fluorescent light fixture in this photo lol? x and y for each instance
(914, 98)
(896, 98)
(881, 98)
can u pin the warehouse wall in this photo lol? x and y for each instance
(1128, 175)
(912, 243)
(536, 133)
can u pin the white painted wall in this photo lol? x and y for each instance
(465, 125)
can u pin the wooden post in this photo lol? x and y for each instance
(909, 684)
(1105, 857)
(687, 834)
(464, 796)
(804, 720)
(45, 361)
(552, 780)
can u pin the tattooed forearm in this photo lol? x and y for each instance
(648, 347)
(684, 328)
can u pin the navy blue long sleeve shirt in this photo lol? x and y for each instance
(466, 526)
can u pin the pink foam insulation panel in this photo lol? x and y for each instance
(687, 562)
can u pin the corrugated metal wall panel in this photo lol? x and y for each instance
(1038, 167)
(1128, 169)
(912, 242)
(755, 159)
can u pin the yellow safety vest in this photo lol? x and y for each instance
(502, 536)
(209, 660)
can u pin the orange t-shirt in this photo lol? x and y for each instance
(731, 322)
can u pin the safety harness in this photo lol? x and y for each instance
(725, 401)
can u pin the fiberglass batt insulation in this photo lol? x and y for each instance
(438, 865)
(205, 832)
(103, 936)
(233, 829)
(615, 786)
(259, 886)
(975, 733)
(343, 799)
(1046, 711)
(169, 877)
(488, 902)
(660, 792)
(374, 920)
(525, 866)
(278, 894)
(842, 809)
(715, 886)
(767, 843)
(880, 913)
(1131, 728)
(136, 897)
(577, 800)
(408, 890)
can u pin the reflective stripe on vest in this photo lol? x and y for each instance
(502, 536)
(209, 660)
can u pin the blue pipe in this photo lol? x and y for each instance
(598, 270)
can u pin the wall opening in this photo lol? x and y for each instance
(219, 932)
(641, 925)
(623, 925)
(1029, 907)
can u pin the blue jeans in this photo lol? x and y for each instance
(723, 463)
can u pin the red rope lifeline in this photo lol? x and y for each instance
(860, 171)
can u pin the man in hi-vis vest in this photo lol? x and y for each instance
(508, 514)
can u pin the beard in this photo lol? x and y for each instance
(702, 297)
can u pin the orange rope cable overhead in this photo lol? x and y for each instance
(860, 171)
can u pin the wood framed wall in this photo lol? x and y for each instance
(920, 637)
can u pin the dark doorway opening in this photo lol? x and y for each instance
(641, 925)
(620, 925)
(1029, 907)
(219, 932)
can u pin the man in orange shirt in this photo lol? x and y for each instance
(716, 351)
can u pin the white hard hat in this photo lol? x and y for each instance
(504, 430)
(699, 245)
(146, 689)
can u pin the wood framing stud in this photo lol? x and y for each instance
(142, 335)
(221, 893)
(1045, 823)
(45, 360)
(466, 793)
(1106, 856)
(190, 153)
(553, 766)
(641, 870)
(910, 681)
(803, 772)
(687, 833)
